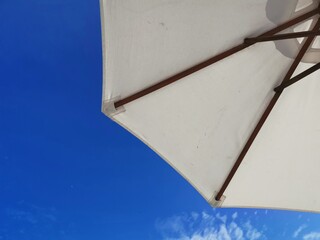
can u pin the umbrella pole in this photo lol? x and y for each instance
(268, 110)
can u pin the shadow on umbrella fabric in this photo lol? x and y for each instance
(278, 11)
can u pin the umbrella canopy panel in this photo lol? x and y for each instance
(281, 170)
(200, 124)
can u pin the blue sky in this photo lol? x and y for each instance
(69, 173)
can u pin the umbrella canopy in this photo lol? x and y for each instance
(208, 85)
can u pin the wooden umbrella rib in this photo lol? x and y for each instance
(212, 60)
(298, 77)
(181, 75)
(281, 36)
(266, 113)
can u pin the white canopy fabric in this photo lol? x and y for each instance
(201, 123)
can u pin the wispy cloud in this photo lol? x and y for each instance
(234, 215)
(30, 220)
(299, 230)
(31, 214)
(312, 236)
(207, 226)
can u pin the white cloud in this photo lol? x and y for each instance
(206, 216)
(206, 226)
(194, 216)
(235, 215)
(312, 236)
(222, 218)
(252, 233)
(298, 231)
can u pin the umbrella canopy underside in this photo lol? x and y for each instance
(201, 123)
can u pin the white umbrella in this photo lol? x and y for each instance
(208, 85)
